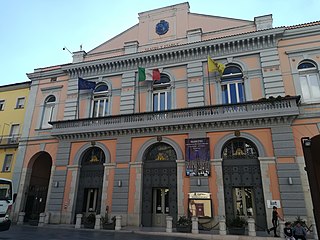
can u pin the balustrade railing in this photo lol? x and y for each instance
(8, 140)
(263, 108)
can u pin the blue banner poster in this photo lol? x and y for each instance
(197, 157)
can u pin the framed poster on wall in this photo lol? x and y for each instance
(199, 205)
(197, 157)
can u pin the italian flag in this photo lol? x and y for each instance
(148, 74)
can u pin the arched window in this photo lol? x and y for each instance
(162, 93)
(232, 85)
(309, 81)
(100, 101)
(160, 152)
(48, 111)
(239, 148)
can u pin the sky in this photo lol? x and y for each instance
(33, 33)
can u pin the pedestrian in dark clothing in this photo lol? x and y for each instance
(299, 232)
(288, 233)
(275, 216)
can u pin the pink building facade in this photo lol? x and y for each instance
(194, 142)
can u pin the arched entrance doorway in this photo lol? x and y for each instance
(159, 194)
(90, 181)
(38, 187)
(242, 181)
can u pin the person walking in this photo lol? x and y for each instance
(275, 217)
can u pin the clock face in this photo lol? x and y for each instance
(162, 27)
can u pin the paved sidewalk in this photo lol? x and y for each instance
(214, 235)
(201, 235)
(152, 231)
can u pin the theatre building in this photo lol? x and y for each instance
(214, 131)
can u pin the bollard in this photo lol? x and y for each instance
(41, 219)
(251, 227)
(97, 224)
(21, 218)
(281, 224)
(195, 229)
(78, 221)
(169, 224)
(47, 218)
(118, 223)
(222, 227)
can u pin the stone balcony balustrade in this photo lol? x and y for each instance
(242, 115)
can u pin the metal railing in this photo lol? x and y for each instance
(9, 139)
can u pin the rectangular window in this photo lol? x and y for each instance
(161, 101)
(47, 116)
(100, 107)
(232, 93)
(14, 133)
(2, 105)
(310, 87)
(20, 102)
(7, 163)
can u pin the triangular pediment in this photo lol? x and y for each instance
(169, 26)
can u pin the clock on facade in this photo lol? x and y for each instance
(162, 27)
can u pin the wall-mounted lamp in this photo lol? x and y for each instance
(306, 142)
(56, 184)
(290, 181)
(66, 49)
(119, 183)
(199, 182)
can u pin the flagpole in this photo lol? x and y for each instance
(138, 92)
(78, 98)
(209, 84)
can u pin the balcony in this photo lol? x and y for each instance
(248, 114)
(9, 141)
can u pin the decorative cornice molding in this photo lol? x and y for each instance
(184, 127)
(184, 53)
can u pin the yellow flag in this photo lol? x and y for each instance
(214, 66)
(211, 65)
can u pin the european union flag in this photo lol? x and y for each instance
(84, 84)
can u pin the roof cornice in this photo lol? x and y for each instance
(217, 47)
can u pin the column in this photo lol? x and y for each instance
(70, 208)
(180, 193)
(104, 197)
(134, 218)
(217, 165)
(264, 168)
(22, 192)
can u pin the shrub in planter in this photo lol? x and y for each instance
(236, 226)
(34, 219)
(106, 224)
(89, 221)
(184, 224)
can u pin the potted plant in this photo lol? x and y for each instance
(89, 221)
(34, 219)
(184, 224)
(109, 225)
(236, 226)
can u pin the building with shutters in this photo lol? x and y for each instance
(193, 142)
(13, 101)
